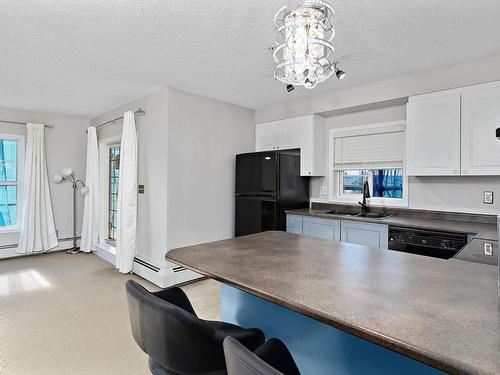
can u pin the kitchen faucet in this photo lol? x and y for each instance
(366, 194)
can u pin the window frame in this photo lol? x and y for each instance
(335, 187)
(105, 145)
(19, 181)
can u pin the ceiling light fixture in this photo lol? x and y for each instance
(304, 54)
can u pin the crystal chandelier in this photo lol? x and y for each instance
(304, 54)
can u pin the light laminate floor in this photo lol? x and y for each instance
(67, 314)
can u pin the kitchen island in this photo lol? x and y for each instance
(345, 308)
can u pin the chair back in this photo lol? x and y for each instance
(172, 336)
(241, 361)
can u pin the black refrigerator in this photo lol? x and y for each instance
(267, 184)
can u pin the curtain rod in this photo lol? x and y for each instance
(24, 123)
(138, 112)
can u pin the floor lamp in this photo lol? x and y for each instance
(67, 175)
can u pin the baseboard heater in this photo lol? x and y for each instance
(155, 268)
(152, 267)
(9, 251)
(163, 276)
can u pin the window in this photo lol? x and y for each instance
(109, 175)
(10, 159)
(373, 153)
(384, 183)
(114, 176)
(388, 183)
(353, 180)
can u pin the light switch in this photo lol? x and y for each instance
(488, 197)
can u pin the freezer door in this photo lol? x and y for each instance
(254, 215)
(256, 174)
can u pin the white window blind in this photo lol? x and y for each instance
(377, 148)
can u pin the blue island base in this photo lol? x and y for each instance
(318, 349)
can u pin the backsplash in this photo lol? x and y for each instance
(455, 194)
(416, 213)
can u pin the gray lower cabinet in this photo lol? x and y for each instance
(294, 224)
(294, 230)
(327, 229)
(368, 234)
(375, 235)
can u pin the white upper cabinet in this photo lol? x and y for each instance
(287, 134)
(433, 135)
(452, 132)
(480, 118)
(306, 133)
(312, 147)
(265, 137)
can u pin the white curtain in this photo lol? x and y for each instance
(38, 232)
(127, 196)
(90, 226)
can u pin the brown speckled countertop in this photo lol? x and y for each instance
(445, 314)
(483, 230)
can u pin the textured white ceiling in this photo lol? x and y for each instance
(85, 57)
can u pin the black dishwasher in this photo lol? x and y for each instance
(430, 243)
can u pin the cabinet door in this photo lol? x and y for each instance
(294, 224)
(287, 134)
(294, 221)
(312, 146)
(294, 230)
(321, 228)
(265, 136)
(374, 235)
(433, 135)
(480, 118)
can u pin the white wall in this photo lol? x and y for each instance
(463, 74)
(187, 145)
(204, 137)
(460, 194)
(65, 146)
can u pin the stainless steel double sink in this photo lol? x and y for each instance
(370, 215)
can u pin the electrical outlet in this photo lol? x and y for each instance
(488, 248)
(488, 197)
(141, 189)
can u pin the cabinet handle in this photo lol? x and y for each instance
(455, 171)
(309, 172)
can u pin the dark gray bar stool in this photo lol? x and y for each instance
(166, 328)
(271, 358)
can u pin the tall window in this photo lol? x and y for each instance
(114, 175)
(9, 180)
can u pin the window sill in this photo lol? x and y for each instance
(10, 230)
(105, 246)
